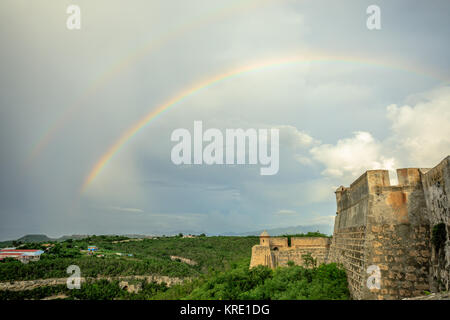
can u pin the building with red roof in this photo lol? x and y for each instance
(23, 255)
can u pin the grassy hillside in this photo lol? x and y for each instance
(326, 282)
(218, 269)
(123, 256)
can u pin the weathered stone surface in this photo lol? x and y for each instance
(436, 186)
(394, 225)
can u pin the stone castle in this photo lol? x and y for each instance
(399, 233)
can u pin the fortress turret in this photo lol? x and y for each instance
(264, 238)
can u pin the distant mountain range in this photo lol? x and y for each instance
(323, 228)
(35, 238)
(40, 238)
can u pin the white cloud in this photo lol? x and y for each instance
(419, 137)
(421, 133)
(131, 60)
(286, 212)
(292, 137)
(134, 210)
(304, 160)
(350, 157)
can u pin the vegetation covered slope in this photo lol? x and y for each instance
(326, 282)
(117, 256)
(221, 271)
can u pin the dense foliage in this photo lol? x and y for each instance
(293, 282)
(148, 256)
(37, 293)
(221, 271)
(261, 283)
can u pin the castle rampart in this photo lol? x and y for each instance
(383, 226)
(381, 229)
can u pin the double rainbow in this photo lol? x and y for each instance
(192, 89)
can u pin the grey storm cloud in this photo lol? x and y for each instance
(353, 103)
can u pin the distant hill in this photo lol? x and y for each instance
(73, 236)
(323, 228)
(40, 238)
(35, 238)
(44, 238)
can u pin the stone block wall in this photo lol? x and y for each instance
(347, 249)
(386, 227)
(348, 246)
(436, 186)
(398, 238)
(262, 255)
(278, 253)
(296, 256)
(402, 253)
(278, 242)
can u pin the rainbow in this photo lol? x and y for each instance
(133, 57)
(192, 89)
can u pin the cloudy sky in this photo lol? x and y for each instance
(345, 99)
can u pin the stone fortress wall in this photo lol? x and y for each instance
(436, 187)
(383, 228)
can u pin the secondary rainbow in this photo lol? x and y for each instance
(137, 55)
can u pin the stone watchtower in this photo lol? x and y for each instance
(261, 254)
(264, 239)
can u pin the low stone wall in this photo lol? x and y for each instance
(185, 260)
(278, 242)
(33, 284)
(296, 255)
(276, 256)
